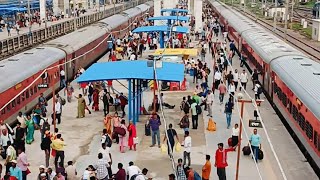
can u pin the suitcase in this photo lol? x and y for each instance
(230, 142)
(246, 150)
(147, 130)
(260, 154)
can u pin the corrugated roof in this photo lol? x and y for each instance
(179, 29)
(115, 20)
(301, 74)
(17, 68)
(132, 12)
(144, 7)
(179, 18)
(132, 70)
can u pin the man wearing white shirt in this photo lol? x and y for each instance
(243, 79)
(235, 135)
(132, 170)
(187, 148)
(106, 155)
(57, 109)
(217, 79)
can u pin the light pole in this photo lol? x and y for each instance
(275, 15)
(114, 7)
(286, 20)
(104, 7)
(30, 23)
(74, 15)
(242, 101)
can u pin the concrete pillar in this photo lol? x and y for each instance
(157, 9)
(42, 9)
(189, 6)
(198, 15)
(192, 7)
(56, 8)
(66, 8)
(315, 29)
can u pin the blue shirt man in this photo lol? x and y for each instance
(15, 171)
(155, 123)
(255, 141)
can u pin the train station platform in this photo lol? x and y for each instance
(35, 26)
(287, 151)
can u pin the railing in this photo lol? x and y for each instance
(24, 41)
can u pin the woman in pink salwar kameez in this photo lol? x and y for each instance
(123, 140)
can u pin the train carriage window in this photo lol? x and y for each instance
(302, 121)
(35, 89)
(13, 103)
(289, 106)
(280, 95)
(31, 91)
(309, 130)
(18, 100)
(315, 139)
(8, 107)
(284, 100)
(295, 112)
(319, 143)
(22, 96)
(27, 94)
(3, 111)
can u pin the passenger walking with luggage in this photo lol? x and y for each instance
(255, 142)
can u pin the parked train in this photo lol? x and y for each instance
(17, 72)
(290, 78)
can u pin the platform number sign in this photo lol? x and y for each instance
(255, 123)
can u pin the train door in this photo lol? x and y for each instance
(73, 65)
(271, 81)
(265, 76)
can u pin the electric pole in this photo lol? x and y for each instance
(286, 19)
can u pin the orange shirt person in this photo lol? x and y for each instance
(206, 169)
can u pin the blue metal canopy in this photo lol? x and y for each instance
(174, 10)
(179, 18)
(132, 70)
(178, 29)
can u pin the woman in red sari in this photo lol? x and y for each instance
(95, 105)
(132, 134)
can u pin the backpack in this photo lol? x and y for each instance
(108, 140)
(259, 90)
(198, 109)
(111, 100)
(186, 107)
(135, 176)
(196, 176)
(45, 127)
(63, 101)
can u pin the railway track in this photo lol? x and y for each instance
(308, 49)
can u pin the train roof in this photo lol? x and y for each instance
(132, 12)
(79, 38)
(268, 46)
(17, 68)
(145, 7)
(302, 75)
(264, 43)
(115, 20)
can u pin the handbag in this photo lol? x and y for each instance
(28, 171)
(136, 140)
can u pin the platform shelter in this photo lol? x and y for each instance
(161, 30)
(138, 73)
(170, 19)
(174, 12)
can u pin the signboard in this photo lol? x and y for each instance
(255, 123)
(43, 86)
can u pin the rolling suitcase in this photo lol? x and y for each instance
(147, 130)
(246, 150)
(260, 154)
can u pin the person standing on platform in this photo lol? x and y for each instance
(222, 90)
(255, 141)
(171, 135)
(235, 135)
(11, 155)
(58, 145)
(217, 78)
(243, 79)
(21, 120)
(123, 139)
(105, 100)
(209, 102)
(30, 130)
(221, 161)
(132, 135)
(45, 146)
(71, 171)
(69, 90)
(95, 97)
(110, 86)
(81, 106)
(57, 109)
(155, 124)
(90, 93)
(194, 114)
(187, 144)
(228, 110)
(181, 175)
(206, 169)
(19, 137)
(123, 103)
(22, 163)
(236, 78)
(101, 167)
(15, 171)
